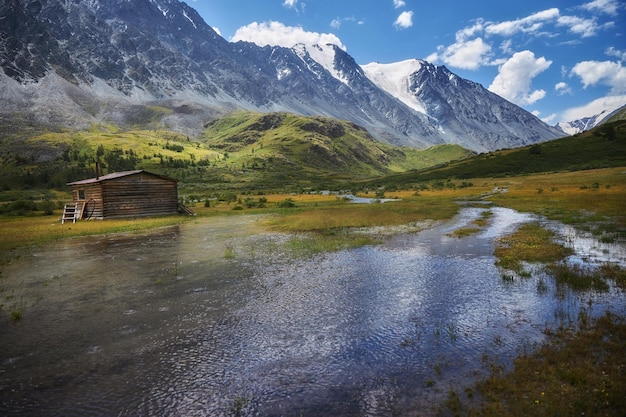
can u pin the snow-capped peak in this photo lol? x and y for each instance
(580, 125)
(394, 79)
(323, 55)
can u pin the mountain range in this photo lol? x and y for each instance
(586, 123)
(156, 63)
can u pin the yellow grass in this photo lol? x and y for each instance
(347, 215)
(557, 195)
(530, 243)
(565, 196)
(29, 231)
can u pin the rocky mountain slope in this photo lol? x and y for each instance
(156, 63)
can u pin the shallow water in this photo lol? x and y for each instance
(215, 318)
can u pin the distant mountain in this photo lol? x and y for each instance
(464, 112)
(156, 63)
(580, 125)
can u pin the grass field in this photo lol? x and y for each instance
(591, 199)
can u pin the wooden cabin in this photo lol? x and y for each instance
(123, 194)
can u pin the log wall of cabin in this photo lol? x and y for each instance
(139, 195)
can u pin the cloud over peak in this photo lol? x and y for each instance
(277, 34)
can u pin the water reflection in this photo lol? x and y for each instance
(215, 318)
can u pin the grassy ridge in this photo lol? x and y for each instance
(243, 151)
(601, 147)
(321, 149)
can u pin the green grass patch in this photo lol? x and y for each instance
(578, 277)
(330, 241)
(575, 373)
(530, 243)
(342, 214)
(476, 227)
(465, 231)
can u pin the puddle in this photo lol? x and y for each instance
(214, 319)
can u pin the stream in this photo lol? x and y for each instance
(216, 318)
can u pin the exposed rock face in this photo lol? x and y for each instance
(73, 63)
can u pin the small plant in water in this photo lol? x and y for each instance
(16, 315)
(578, 278)
(542, 287)
(17, 312)
(239, 404)
(453, 331)
(229, 251)
(508, 277)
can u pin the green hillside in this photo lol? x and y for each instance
(244, 151)
(278, 149)
(255, 152)
(619, 114)
(601, 147)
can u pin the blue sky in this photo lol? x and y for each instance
(560, 59)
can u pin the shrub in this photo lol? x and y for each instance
(47, 207)
(286, 203)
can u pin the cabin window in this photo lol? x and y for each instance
(81, 194)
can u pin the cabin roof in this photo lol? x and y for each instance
(115, 175)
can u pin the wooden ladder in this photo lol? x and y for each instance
(70, 212)
(184, 209)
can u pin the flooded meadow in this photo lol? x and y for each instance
(218, 318)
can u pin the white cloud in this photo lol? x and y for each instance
(506, 46)
(603, 6)
(595, 107)
(609, 73)
(550, 119)
(527, 24)
(562, 88)
(404, 21)
(477, 44)
(337, 22)
(534, 23)
(217, 30)
(578, 25)
(466, 54)
(398, 3)
(277, 34)
(515, 76)
(291, 4)
(611, 51)
(470, 31)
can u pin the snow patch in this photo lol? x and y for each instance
(586, 123)
(394, 79)
(323, 55)
(189, 18)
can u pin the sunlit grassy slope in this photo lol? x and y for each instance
(274, 145)
(243, 151)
